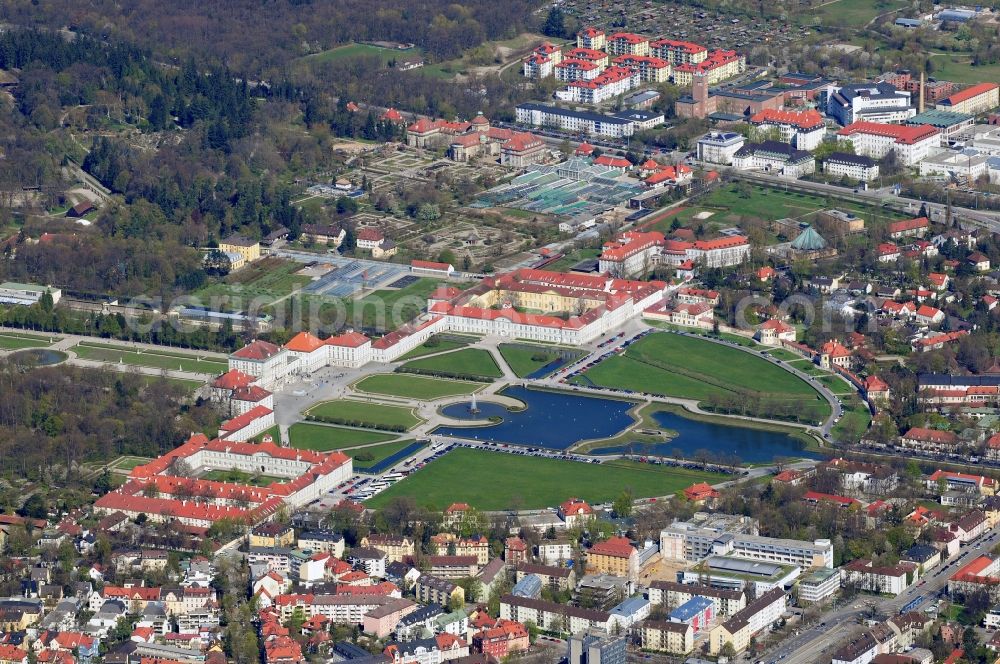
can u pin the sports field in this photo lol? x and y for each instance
(693, 368)
(19, 341)
(323, 438)
(466, 362)
(410, 386)
(362, 412)
(360, 50)
(471, 476)
(158, 359)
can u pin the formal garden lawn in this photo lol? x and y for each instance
(693, 368)
(409, 386)
(437, 344)
(471, 476)
(240, 477)
(524, 360)
(390, 308)
(364, 413)
(157, 359)
(466, 362)
(18, 341)
(323, 438)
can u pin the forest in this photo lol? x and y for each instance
(54, 418)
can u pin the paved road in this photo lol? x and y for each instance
(839, 625)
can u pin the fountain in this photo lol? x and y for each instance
(473, 407)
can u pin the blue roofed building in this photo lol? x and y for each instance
(529, 586)
(631, 611)
(698, 612)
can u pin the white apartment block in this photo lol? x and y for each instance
(683, 541)
(610, 83)
(586, 122)
(855, 167)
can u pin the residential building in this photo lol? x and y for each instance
(627, 43)
(980, 574)
(585, 122)
(818, 585)
(887, 579)
(678, 52)
(432, 590)
(672, 594)
(928, 440)
(614, 556)
(757, 616)
(675, 638)
(555, 578)
(551, 616)
(595, 646)
(592, 38)
(718, 66)
(272, 533)
(396, 547)
(248, 249)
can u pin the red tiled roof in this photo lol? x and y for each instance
(430, 265)
(303, 342)
(257, 350)
(348, 340)
(613, 162)
(246, 418)
(908, 225)
(817, 497)
(904, 134)
(968, 93)
(808, 119)
(233, 379)
(930, 435)
(617, 547)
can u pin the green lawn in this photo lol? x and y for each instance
(466, 475)
(853, 422)
(435, 345)
(409, 386)
(390, 308)
(265, 280)
(323, 438)
(572, 258)
(130, 462)
(850, 13)
(12, 342)
(959, 69)
(525, 360)
(836, 385)
(366, 457)
(240, 477)
(785, 355)
(373, 414)
(467, 362)
(357, 50)
(149, 358)
(623, 372)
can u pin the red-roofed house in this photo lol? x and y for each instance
(701, 493)
(876, 390)
(506, 637)
(816, 498)
(575, 512)
(614, 556)
(619, 164)
(980, 574)
(917, 227)
(834, 354)
(350, 349)
(887, 252)
(928, 315)
(392, 115)
(772, 332)
(454, 514)
(928, 440)
(973, 100)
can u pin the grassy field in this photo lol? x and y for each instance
(129, 462)
(375, 414)
(959, 69)
(438, 345)
(851, 13)
(853, 422)
(784, 355)
(240, 477)
(148, 358)
(469, 362)
(836, 385)
(726, 206)
(700, 361)
(471, 476)
(358, 50)
(572, 258)
(409, 386)
(12, 341)
(263, 281)
(525, 360)
(366, 457)
(390, 308)
(323, 438)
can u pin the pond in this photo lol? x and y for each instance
(750, 445)
(37, 357)
(557, 420)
